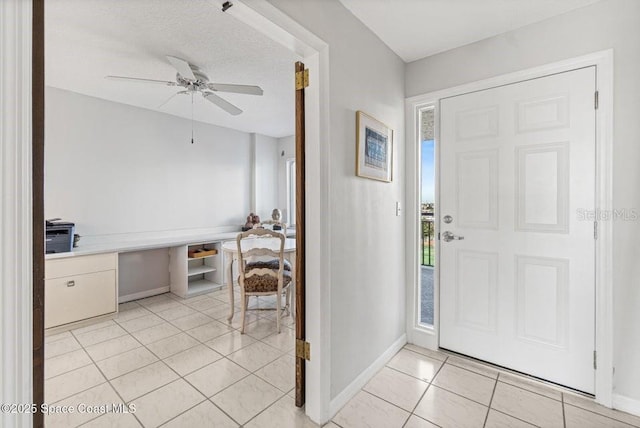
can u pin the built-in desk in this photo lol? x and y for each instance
(83, 284)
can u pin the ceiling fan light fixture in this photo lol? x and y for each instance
(193, 80)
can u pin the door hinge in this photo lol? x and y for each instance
(303, 350)
(438, 236)
(595, 361)
(595, 100)
(595, 230)
(302, 79)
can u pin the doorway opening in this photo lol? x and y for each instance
(427, 211)
(295, 191)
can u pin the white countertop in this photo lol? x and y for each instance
(128, 244)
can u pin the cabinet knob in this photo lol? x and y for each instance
(71, 284)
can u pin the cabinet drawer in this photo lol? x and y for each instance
(77, 297)
(58, 268)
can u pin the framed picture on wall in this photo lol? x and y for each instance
(374, 148)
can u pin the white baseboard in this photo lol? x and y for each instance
(143, 294)
(352, 389)
(626, 404)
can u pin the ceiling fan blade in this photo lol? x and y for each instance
(238, 89)
(222, 103)
(168, 99)
(138, 79)
(171, 97)
(182, 67)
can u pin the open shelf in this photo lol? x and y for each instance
(197, 270)
(200, 258)
(201, 286)
(191, 276)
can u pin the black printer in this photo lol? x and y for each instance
(59, 236)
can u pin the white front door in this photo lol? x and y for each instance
(518, 183)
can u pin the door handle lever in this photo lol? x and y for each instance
(448, 237)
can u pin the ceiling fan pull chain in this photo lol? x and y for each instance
(191, 117)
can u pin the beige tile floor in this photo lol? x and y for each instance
(182, 365)
(419, 388)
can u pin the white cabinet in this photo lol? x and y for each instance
(78, 288)
(199, 273)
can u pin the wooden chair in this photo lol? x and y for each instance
(263, 270)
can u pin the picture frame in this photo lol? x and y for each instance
(374, 148)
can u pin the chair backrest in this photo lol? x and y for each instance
(255, 243)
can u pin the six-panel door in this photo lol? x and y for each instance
(518, 178)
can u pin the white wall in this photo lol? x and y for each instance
(366, 238)
(286, 151)
(266, 175)
(604, 25)
(113, 168)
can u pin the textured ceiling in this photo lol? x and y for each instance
(89, 39)
(415, 29)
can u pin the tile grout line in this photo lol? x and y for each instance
(518, 375)
(284, 394)
(514, 417)
(532, 392)
(605, 416)
(108, 381)
(505, 413)
(473, 371)
(182, 413)
(230, 385)
(493, 393)
(429, 385)
(398, 371)
(445, 389)
(264, 410)
(425, 393)
(155, 389)
(73, 369)
(386, 401)
(423, 355)
(207, 398)
(234, 383)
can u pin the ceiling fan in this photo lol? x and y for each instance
(191, 78)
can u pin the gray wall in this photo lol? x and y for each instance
(366, 238)
(608, 24)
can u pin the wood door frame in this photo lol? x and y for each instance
(275, 24)
(603, 61)
(38, 248)
(300, 237)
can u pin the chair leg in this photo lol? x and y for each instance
(278, 306)
(288, 300)
(244, 299)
